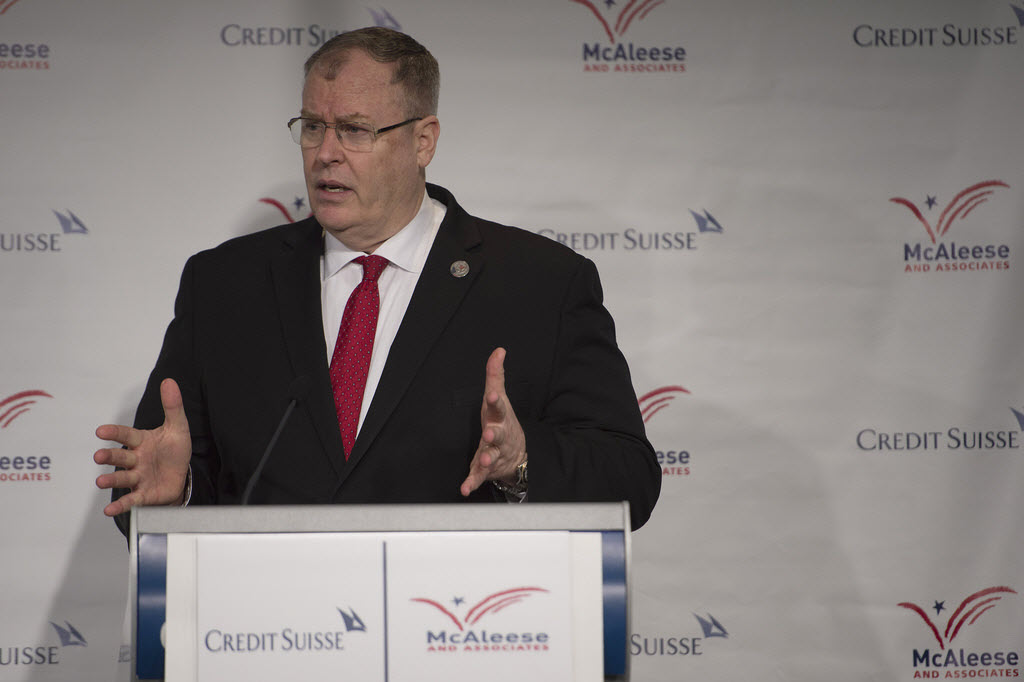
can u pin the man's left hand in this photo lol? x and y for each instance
(502, 442)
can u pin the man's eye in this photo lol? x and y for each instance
(312, 126)
(353, 130)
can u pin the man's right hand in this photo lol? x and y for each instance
(153, 464)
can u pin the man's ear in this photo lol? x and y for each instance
(426, 133)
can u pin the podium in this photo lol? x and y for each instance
(381, 592)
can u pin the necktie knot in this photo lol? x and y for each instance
(372, 267)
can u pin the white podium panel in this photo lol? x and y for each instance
(404, 593)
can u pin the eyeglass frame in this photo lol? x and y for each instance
(341, 140)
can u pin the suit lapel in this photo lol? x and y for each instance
(437, 296)
(295, 272)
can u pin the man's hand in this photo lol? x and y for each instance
(502, 442)
(155, 463)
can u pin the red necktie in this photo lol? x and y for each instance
(351, 360)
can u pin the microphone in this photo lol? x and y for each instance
(297, 391)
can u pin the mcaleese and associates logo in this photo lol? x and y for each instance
(945, 660)
(22, 468)
(299, 205)
(964, 253)
(675, 462)
(617, 55)
(464, 633)
(22, 55)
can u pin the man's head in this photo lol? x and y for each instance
(416, 70)
(372, 78)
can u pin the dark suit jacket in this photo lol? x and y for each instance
(247, 322)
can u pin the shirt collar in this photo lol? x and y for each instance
(407, 249)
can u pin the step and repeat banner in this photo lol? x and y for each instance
(809, 222)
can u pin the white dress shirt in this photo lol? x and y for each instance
(406, 252)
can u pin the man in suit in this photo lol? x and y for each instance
(475, 363)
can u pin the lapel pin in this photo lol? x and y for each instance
(459, 268)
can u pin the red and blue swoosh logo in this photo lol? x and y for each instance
(13, 406)
(616, 20)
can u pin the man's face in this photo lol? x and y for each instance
(363, 198)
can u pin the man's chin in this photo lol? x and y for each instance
(334, 219)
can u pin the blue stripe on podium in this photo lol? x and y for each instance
(152, 606)
(613, 573)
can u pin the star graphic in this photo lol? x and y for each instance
(939, 607)
(458, 600)
(931, 201)
(299, 203)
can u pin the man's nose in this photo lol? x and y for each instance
(330, 149)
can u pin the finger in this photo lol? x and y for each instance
(475, 479)
(495, 380)
(469, 485)
(484, 459)
(479, 469)
(121, 505)
(494, 435)
(125, 435)
(117, 479)
(170, 399)
(496, 370)
(494, 407)
(494, 386)
(117, 457)
(136, 498)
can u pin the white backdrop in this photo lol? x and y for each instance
(843, 417)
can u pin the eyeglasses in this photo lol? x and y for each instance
(309, 133)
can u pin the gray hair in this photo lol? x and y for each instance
(416, 70)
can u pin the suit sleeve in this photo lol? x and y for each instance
(180, 360)
(589, 444)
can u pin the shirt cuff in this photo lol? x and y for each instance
(188, 487)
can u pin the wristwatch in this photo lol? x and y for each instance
(521, 484)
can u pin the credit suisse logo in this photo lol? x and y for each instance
(964, 251)
(310, 36)
(297, 640)
(614, 53)
(463, 633)
(948, 661)
(38, 655)
(928, 33)
(674, 462)
(685, 240)
(68, 635)
(43, 241)
(648, 645)
(955, 439)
